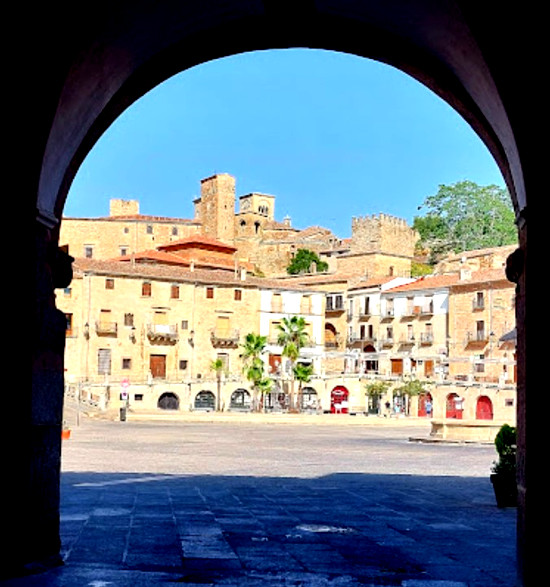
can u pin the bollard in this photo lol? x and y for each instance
(123, 414)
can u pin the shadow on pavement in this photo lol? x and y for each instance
(341, 529)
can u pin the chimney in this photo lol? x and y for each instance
(465, 273)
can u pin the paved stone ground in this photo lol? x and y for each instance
(255, 503)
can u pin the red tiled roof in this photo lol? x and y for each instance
(176, 273)
(197, 241)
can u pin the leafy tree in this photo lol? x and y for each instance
(465, 216)
(376, 389)
(303, 261)
(292, 337)
(410, 388)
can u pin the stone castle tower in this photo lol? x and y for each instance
(215, 209)
(383, 233)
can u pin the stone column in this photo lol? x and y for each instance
(516, 271)
(41, 460)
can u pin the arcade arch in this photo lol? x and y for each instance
(90, 70)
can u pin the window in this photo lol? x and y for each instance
(276, 303)
(183, 364)
(146, 289)
(104, 361)
(109, 283)
(88, 251)
(174, 292)
(128, 319)
(174, 231)
(238, 294)
(479, 302)
(67, 292)
(126, 363)
(184, 324)
(126, 230)
(209, 292)
(149, 229)
(69, 324)
(123, 251)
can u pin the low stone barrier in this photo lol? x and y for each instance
(465, 430)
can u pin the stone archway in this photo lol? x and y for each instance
(168, 401)
(89, 70)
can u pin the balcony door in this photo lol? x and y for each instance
(157, 366)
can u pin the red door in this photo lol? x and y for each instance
(484, 408)
(425, 405)
(339, 400)
(454, 406)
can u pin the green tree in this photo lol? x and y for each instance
(303, 262)
(217, 366)
(252, 349)
(465, 216)
(292, 337)
(376, 389)
(410, 388)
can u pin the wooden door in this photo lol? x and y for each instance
(397, 366)
(484, 408)
(157, 365)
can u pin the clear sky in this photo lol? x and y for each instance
(330, 135)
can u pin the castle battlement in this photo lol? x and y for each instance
(380, 218)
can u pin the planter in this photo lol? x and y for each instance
(505, 488)
(65, 434)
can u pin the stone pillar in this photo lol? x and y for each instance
(516, 271)
(40, 459)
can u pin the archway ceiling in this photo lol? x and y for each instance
(100, 64)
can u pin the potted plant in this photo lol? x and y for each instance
(503, 475)
(65, 431)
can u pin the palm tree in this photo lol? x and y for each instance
(253, 347)
(303, 374)
(292, 337)
(217, 366)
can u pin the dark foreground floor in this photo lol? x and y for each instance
(339, 529)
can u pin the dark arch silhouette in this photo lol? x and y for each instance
(83, 72)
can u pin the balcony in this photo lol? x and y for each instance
(361, 338)
(478, 304)
(162, 333)
(388, 314)
(333, 343)
(227, 339)
(103, 328)
(426, 338)
(386, 342)
(479, 337)
(334, 309)
(407, 339)
(364, 315)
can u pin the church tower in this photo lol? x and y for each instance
(215, 209)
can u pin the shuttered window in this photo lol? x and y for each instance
(104, 361)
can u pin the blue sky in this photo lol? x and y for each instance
(330, 135)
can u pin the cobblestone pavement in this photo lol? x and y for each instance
(256, 503)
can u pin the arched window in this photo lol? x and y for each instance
(205, 400)
(168, 401)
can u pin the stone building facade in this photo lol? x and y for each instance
(380, 245)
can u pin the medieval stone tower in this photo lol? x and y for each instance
(215, 209)
(382, 233)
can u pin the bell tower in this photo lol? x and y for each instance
(215, 208)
